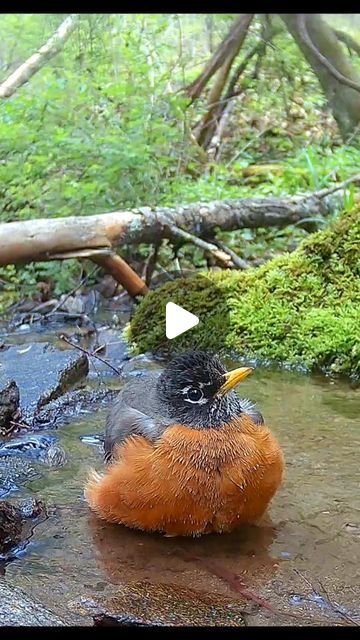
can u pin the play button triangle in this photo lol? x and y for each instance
(178, 320)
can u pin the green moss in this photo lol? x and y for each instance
(301, 308)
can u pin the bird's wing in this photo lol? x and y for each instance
(134, 412)
(130, 422)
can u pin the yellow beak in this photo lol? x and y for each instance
(233, 378)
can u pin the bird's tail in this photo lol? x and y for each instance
(91, 488)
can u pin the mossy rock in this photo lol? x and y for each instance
(302, 308)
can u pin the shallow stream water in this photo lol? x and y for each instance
(303, 560)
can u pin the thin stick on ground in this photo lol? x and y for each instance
(327, 192)
(89, 354)
(221, 257)
(333, 605)
(238, 262)
(60, 303)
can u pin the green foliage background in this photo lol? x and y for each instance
(104, 126)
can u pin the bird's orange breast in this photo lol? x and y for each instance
(190, 481)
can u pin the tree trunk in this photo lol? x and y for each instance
(205, 130)
(229, 47)
(212, 120)
(94, 236)
(343, 100)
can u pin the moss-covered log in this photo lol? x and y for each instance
(301, 308)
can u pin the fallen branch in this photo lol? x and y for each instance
(123, 273)
(47, 239)
(323, 193)
(33, 64)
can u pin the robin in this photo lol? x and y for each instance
(187, 455)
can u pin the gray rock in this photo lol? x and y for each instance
(9, 406)
(41, 373)
(18, 609)
(17, 523)
(144, 603)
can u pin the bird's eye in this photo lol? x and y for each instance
(194, 395)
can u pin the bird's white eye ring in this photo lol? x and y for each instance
(193, 395)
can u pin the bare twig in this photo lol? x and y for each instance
(214, 147)
(247, 145)
(89, 353)
(301, 20)
(33, 64)
(238, 262)
(327, 192)
(221, 257)
(150, 263)
(68, 295)
(17, 425)
(333, 605)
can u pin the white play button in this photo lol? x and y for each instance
(178, 320)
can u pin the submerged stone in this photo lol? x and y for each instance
(18, 609)
(144, 603)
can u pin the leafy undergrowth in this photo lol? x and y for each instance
(81, 138)
(301, 308)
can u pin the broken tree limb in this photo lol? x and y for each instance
(48, 239)
(221, 257)
(229, 47)
(37, 60)
(123, 273)
(205, 133)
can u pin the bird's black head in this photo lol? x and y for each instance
(197, 391)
